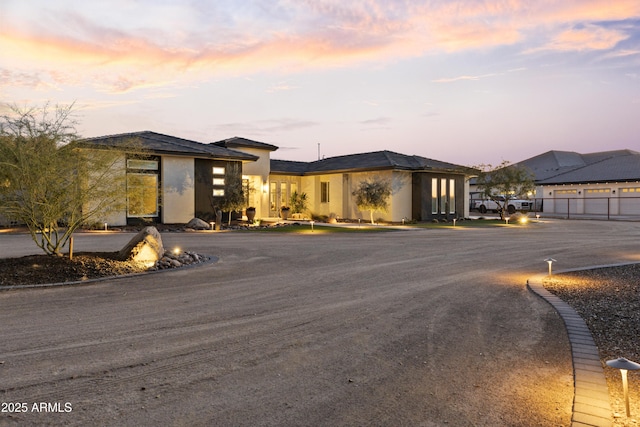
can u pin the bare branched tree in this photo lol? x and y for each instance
(48, 182)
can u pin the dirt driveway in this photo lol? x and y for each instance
(412, 328)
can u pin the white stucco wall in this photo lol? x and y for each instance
(178, 189)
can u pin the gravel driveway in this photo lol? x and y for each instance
(411, 328)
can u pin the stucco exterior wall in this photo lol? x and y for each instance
(399, 204)
(341, 202)
(178, 189)
(260, 167)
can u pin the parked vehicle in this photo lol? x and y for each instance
(513, 205)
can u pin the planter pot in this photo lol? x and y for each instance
(284, 213)
(251, 214)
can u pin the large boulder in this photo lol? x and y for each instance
(146, 247)
(198, 224)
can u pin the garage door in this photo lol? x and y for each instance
(565, 201)
(596, 201)
(630, 201)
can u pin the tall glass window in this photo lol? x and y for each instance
(283, 194)
(434, 195)
(142, 187)
(273, 196)
(443, 195)
(452, 196)
(324, 192)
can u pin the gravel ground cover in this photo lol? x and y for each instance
(608, 299)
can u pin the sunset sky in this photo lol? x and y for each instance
(467, 82)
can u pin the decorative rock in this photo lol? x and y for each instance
(198, 224)
(146, 246)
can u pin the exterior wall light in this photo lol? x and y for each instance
(550, 261)
(624, 365)
(265, 187)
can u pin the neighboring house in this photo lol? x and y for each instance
(176, 179)
(602, 183)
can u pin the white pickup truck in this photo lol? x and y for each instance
(513, 205)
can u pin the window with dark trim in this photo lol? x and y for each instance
(142, 187)
(324, 192)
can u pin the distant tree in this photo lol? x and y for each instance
(372, 195)
(504, 182)
(48, 182)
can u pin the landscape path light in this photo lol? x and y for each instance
(624, 365)
(311, 222)
(550, 261)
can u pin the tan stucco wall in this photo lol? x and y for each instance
(259, 168)
(178, 189)
(342, 203)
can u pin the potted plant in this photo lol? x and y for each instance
(298, 203)
(284, 212)
(251, 214)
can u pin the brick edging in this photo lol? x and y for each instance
(591, 405)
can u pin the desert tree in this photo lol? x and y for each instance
(235, 197)
(372, 195)
(503, 182)
(48, 181)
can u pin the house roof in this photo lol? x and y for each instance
(376, 160)
(164, 144)
(237, 141)
(567, 167)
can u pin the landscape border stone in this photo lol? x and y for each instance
(591, 401)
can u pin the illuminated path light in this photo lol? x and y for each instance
(550, 261)
(625, 366)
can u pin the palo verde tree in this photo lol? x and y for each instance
(504, 182)
(48, 182)
(372, 195)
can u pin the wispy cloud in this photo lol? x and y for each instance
(281, 87)
(263, 127)
(588, 37)
(377, 121)
(459, 78)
